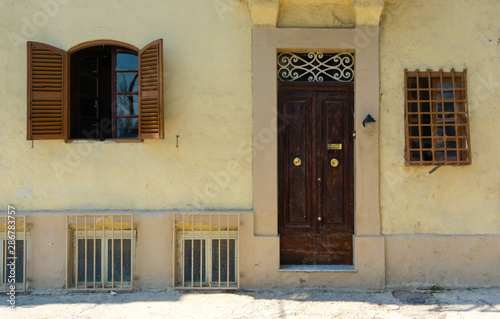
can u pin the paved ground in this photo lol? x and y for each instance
(275, 303)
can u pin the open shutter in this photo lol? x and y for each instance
(47, 86)
(151, 90)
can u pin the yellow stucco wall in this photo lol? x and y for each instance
(208, 103)
(435, 34)
(316, 13)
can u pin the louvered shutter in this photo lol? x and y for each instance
(47, 83)
(151, 90)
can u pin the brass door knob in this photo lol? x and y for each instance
(319, 218)
(334, 162)
(297, 161)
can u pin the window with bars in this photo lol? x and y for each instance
(14, 257)
(206, 251)
(436, 118)
(100, 252)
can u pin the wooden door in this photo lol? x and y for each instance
(315, 167)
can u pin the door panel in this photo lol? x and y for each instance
(335, 210)
(315, 198)
(296, 126)
(298, 249)
(334, 250)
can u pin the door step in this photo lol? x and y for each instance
(318, 268)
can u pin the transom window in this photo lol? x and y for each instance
(316, 67)
(436, 118)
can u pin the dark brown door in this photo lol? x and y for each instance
(315, 167)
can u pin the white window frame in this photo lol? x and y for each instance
(207, 236)
(104, 236)
(19, 236)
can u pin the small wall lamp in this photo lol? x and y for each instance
(368, 119)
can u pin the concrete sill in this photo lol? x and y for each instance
(318, 268)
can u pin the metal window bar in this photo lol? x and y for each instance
(21, 235)
(102, 233)
(436, 146)
(212, 240)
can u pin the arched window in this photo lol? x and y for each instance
(97, 90)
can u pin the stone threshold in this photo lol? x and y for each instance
(318, 268)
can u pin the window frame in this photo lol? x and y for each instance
(24, 237)
(107, 94)
(104, 236)
(208, 237)
(440, 120)
(49, 110)
(115, 93)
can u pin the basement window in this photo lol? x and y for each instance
(436, 118)
(101, 252)
(206, 254)
(13, 254)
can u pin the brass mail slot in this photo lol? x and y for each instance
(334, 146)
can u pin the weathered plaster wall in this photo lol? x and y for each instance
(451, 261)
(316, 13)
(207, 76)
(434, 34)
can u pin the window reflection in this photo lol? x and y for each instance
(127, 82)
(128, 105)
(126, 61)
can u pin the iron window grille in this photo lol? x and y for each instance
(101, 250)
(206, 251)
(316, 67)
(436, 118)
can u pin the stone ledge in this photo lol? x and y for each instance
(318, 268)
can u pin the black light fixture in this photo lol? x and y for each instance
(368, 119)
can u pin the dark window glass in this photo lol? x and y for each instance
(224, 256)
(90, 260)
(89, 128)
(88, 85)
(88, 107)
(19, 261)
(194, 255)
(128, 105)
(89, 65)
(97, 100)
(127, 83)
(127, 127)
(115, 262)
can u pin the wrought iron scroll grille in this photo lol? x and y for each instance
(316, 67)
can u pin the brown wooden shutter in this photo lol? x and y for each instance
(151, 90)
(47, 97)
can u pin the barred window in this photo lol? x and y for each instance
(436, 118)
(206, 251)
(14, 248)
(100, 252)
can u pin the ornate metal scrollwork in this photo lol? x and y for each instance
(316, 67)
